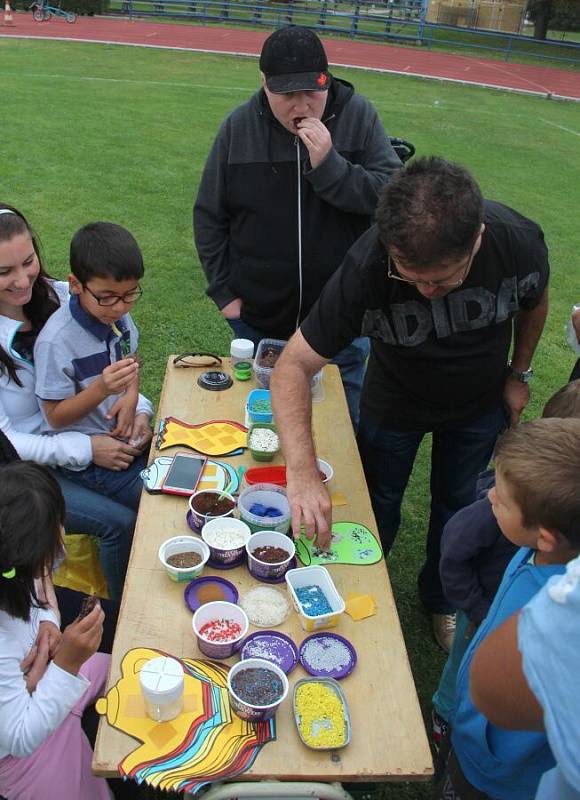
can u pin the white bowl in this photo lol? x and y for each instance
(219, 609)
(183, 544)
(247, 711)
(264, 569)
(226, 555)
(325, 467)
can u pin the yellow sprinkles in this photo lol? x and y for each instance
(321, 715)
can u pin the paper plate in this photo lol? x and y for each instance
(216, 589)
(339, 652)
(271, 646)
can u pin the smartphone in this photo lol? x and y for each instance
(184, 473)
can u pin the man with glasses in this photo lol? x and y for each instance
(442, 284)
(87, 372)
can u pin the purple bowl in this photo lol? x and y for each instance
(219, 609)
(262, 570)
(249, 712)
(324, 642)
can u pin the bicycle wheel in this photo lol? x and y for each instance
(38, 14)
(70, 17)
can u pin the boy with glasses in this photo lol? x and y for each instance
(442, 285)
(87, 373)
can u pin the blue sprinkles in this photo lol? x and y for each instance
(313, 601)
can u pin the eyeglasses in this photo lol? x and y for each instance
(113, 299)
(197, 360)
(447, 283)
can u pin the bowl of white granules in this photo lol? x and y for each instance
(226, 538)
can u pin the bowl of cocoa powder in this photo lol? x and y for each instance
(269, 554)
(184, 557)
(209, 504)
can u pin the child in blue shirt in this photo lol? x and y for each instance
(86, 371)
(537, 506)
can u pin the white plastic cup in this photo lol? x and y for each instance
(161, 681)
(241, 350)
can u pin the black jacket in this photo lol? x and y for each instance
(246, 216)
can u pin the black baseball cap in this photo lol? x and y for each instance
(293, 60)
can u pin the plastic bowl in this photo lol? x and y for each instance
(325, 467)
(262, 372)
(263, 455)
(225, 556)
(265, 569)
(219, 609)
(269, 496)
(198, 519)
(183, 544)
(247, 711)
(315, 576)
(254, 396)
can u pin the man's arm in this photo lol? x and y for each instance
(354, 188)
(291, 403)
(498, 685)
(528, 327)
(211, 226)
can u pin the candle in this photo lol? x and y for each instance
(161, 682)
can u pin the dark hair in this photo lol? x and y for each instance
(32, 512)
(565, 403)
(105, 250)
(7, 452)
(540, 460)
(430, 213)
(44, 300)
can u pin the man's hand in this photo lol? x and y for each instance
(112, 453)
(233, 309)
(310, 506)
(316, 138)
(118, 376)
(516, 396)
(141, 433)
(80, 640)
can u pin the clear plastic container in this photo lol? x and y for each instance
(267, 494)
(161, 681)
(266, 348)
(241, 350)
(315, 576)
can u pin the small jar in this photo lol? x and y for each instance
(241, 350)
(243, 371)
(161, 682)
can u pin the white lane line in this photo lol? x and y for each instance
(562, 127)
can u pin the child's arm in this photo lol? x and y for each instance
(114, 379)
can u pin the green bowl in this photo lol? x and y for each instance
(262, 455)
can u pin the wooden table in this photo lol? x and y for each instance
(388, 735)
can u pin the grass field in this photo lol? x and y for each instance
(104, 132)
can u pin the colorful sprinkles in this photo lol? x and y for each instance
(320, 715)
(221, 630)
(313, 601)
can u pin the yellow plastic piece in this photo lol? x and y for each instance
(360, 606)
(81, 569)
(212, 438)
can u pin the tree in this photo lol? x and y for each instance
(557, 14)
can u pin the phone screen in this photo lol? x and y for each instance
(184, 472)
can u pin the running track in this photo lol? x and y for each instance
(526, 78)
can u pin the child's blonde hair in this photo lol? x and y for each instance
(565, 403)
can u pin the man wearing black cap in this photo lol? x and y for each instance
(290, 184)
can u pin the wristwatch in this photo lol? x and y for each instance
(525, 376)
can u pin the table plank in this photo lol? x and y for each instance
(388, 740)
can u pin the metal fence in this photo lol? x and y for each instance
(400, 20)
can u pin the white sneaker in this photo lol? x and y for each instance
(444, 630)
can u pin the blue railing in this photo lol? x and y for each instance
(404, 21)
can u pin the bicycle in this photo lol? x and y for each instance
(41, 12)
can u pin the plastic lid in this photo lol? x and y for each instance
(207, 589)
(272, 646)
(275, 475)
(327, 655)
(161, 680)
(242, 348)
(214, 381)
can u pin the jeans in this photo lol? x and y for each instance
(457, 458)
(112, 523)
(124, 486)
(352, 363)
(444, 696)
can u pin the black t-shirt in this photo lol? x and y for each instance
(434, 363)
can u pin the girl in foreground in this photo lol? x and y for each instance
(47, 678)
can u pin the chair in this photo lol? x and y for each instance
(81, 569)
(279, 790)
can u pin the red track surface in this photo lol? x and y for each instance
(386, 58)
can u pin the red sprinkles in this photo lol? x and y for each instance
(221, 630)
